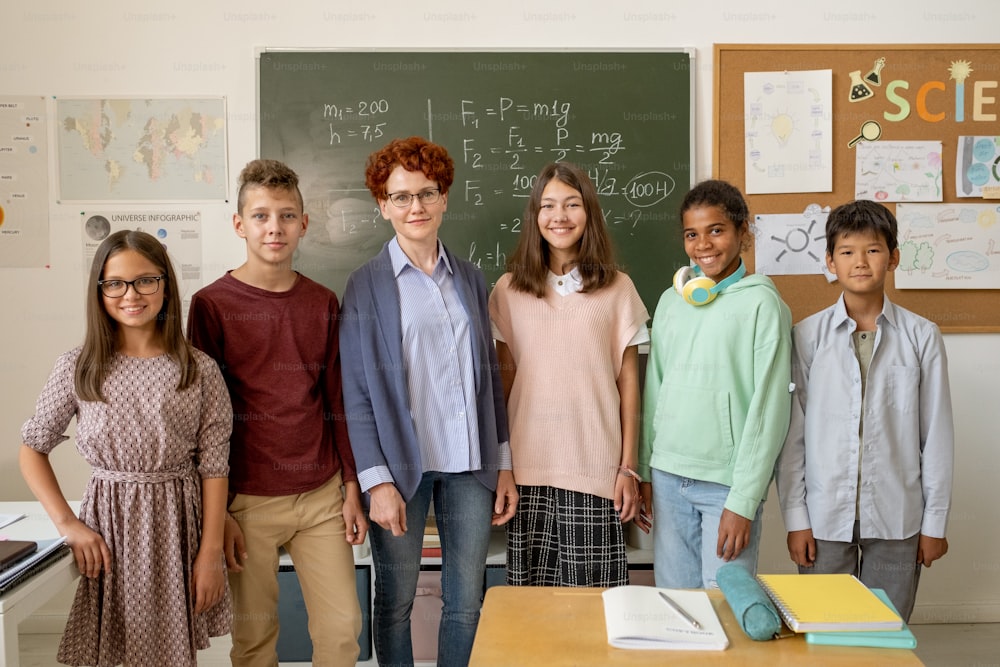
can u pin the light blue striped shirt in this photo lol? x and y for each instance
(437, 351)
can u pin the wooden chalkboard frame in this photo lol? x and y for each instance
(649, 241)
(956, 311)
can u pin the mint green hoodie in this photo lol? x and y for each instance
(717, 401)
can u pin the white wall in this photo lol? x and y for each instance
(188, 47)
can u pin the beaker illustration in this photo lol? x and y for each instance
(874, 77)
(859, 89)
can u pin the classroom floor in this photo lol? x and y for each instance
(952, 645)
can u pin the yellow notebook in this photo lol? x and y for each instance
(828, 602)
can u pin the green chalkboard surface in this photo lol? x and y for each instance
(624, 117)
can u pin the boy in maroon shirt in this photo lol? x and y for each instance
(273, 333)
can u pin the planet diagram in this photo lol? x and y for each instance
(97, 227)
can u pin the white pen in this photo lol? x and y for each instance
(680, 610)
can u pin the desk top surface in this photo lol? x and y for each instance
(565, 626)
(35, 525)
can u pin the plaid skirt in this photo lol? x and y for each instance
(565, 538)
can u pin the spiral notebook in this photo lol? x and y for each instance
(903, 638)
(828, 602)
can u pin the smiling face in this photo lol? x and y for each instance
(272, 222)
(416, 225)
(713, 241)
(861, 262)
(133, 311)
(562, 219)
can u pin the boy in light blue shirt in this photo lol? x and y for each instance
(864, 478)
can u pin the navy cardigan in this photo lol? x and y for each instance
(376, 395)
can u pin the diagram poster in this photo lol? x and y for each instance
(787, 244)
(948, 246)
(898, 171)
(24, 182)
(977, 169)
(789, 131)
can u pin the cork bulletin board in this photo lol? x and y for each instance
(923, 105)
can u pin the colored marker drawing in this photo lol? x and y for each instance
(898, 171)
(977, 167)
(948, 246)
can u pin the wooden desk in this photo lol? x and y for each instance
(21, 602)
(565, 626)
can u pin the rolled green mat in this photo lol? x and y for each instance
(753, 610)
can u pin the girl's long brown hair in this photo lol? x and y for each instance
(529, 265)
(101, 340)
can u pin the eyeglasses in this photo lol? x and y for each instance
(145, 285)
(404, 199)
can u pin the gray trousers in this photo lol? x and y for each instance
(887, 564)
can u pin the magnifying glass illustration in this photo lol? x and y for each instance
(870, 131)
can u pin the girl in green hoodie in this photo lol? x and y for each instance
(716, 403)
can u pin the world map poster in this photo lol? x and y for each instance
(159, 149)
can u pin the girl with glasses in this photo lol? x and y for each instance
(153, 421)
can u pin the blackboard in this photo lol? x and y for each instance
(925, 70)
(624, 117)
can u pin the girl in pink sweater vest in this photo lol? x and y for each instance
(567, 325)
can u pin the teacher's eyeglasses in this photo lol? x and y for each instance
(146, 285)
(404, 199)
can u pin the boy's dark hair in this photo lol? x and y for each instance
(267, 174)
(860, 216)
(721, 194)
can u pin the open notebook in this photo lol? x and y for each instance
(828, 602)
(638, 617)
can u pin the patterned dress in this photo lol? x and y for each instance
(149, 446)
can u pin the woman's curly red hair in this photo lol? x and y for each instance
(412, 154)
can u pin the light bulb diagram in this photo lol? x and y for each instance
(782, 127)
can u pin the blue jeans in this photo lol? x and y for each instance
(463, 508)
(686, 514)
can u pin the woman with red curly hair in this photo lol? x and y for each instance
(424, 404)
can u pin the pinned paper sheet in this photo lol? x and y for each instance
(890, 171)
(792, 243)
(788, 131)
(949, 246)
(977, 169)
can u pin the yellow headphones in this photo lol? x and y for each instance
(699, 290)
